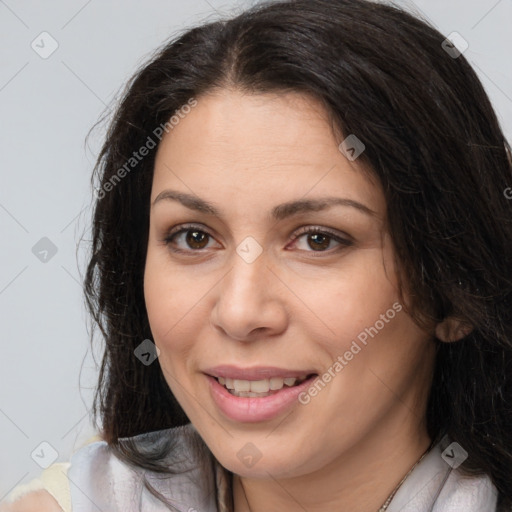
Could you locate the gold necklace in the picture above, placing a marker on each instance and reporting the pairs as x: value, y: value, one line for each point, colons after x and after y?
x: 386, y: 504
x: 384, y: 507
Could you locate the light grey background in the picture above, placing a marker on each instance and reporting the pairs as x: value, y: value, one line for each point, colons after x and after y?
x: 47, y: 107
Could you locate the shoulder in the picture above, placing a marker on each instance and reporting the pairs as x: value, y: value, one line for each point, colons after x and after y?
x: 437, y: 484
x: 34, y: 501
x: 50, y: 489
x: 100, y: 474
x: 179, y: 469
x: 465, y: 492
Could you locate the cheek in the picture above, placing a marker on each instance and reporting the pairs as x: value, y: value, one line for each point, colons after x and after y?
x: 166, y: 305
x: 351, y: 298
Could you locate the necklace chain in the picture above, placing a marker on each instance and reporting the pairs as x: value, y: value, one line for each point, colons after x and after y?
x: 386, y: 504
x: 392, y: 495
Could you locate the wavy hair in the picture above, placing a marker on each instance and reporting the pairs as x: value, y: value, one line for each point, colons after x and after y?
x: 433, y: 142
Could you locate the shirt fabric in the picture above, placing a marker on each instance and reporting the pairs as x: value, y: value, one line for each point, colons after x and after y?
x: 97, y: 479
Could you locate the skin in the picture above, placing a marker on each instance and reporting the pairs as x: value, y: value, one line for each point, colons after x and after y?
x: 33, y: 502
x: 295, y: 306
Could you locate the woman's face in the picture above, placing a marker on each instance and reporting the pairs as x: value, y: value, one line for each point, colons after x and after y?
x: 239, y: 285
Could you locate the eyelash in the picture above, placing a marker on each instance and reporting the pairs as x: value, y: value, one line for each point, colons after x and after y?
x: 168, y: 240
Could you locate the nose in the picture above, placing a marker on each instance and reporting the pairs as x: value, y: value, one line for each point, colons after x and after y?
x: 250, y: 301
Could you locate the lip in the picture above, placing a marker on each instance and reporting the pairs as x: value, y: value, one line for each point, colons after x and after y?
x: 253, y: 409
x: 255, y: 372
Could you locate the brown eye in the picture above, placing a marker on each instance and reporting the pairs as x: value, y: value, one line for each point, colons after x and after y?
x: 319, y: 241
x: 188, y: 239
x: 196, y: 239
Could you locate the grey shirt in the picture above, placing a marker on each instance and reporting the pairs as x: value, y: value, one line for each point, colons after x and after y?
x: 99, y: 480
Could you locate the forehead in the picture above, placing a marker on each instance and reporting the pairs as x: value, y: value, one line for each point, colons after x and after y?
x: 260, y: 146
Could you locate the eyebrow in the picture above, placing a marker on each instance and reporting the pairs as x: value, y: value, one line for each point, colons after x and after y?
x: 279, y: 212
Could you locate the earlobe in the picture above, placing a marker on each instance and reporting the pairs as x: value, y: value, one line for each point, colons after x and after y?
x: 452, y: 329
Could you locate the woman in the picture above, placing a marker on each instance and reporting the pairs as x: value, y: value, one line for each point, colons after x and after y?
x: 301, y: 266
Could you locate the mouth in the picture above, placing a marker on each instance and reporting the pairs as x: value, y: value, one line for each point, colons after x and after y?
x: 257, y: 394
x: 260, y: 388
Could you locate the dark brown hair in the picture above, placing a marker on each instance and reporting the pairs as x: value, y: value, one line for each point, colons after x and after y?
x: 434, y: 143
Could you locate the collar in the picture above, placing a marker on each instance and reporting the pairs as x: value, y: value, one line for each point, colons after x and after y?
x: 198, y: 483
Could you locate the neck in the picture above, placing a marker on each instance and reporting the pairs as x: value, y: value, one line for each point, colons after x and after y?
x: 361, y: 479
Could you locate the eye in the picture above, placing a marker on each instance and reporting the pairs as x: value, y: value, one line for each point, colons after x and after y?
x: 194, y: 237
x: 320, y: 240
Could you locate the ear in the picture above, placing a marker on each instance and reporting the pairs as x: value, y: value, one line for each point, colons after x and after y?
x: 452, y: 329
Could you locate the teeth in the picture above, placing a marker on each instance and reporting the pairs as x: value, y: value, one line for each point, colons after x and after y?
x: 248, y: 387
x: 258, y: 386
x: 248, y: 394
x: 276, y: 383
x: 241, y: 385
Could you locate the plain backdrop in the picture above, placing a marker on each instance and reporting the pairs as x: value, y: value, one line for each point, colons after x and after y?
x: 48, y: 103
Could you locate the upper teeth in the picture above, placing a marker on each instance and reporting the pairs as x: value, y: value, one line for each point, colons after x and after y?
x: 259, y: 386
